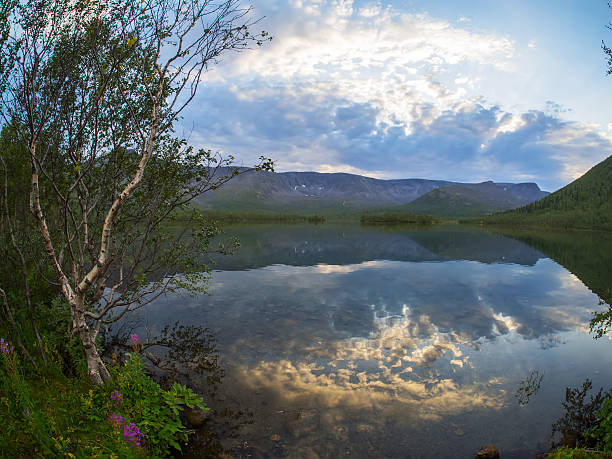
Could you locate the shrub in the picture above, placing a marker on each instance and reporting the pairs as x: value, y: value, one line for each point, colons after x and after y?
x: 580, y: 415
x: 576, y: 453
x: 150, y: 415
x: 602, y: 433
x: 55, y: 415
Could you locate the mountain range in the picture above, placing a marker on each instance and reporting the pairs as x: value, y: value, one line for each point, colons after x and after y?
x: 340, y: 193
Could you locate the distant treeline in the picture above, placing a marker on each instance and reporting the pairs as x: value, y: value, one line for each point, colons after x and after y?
x: 398, y: 219
x: 570, y: 219
x: 238, y: 217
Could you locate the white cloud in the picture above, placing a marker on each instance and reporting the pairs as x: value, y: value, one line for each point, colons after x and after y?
x: 370, y: 11
x: 375, y: 91
x: 348, y: 169
x: 374, y: 54
x: 580, y: 147
x: 323, y: 268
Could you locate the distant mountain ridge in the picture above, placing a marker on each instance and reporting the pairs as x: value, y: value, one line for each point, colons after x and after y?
x: 465, y: 200
x: 340, y: 193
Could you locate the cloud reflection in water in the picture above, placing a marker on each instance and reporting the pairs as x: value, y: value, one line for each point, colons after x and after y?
x: 395, y: 352
x: 393, y: 365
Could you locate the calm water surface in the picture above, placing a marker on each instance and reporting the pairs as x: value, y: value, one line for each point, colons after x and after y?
x: 370, y: 342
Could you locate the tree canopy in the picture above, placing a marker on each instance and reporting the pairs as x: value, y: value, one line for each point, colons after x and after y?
x: 90, y: 94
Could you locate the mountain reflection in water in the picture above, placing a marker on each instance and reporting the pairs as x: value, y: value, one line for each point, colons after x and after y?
x: 369, y: 342
x: 309, y: 245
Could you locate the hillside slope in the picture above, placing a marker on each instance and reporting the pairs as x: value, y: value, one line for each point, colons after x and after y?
x: 470, y: 200
x: 585, y: 203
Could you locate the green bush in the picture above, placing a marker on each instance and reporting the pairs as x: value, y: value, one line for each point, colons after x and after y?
x: 145, y: 404
x: 26, y: 421
x: 577, y: 453
x: 602, y: 433
x: 54, y: 415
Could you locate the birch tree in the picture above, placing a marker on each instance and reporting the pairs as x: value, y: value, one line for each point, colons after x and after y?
x: 92, y: 92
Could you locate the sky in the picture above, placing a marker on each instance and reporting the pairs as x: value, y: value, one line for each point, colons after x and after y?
x: 469, y: 91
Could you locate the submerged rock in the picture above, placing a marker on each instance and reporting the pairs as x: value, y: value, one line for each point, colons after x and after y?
x: 251, y: 451
x: 305, y: 453
x: 195, y: 416
x: 487, y: 452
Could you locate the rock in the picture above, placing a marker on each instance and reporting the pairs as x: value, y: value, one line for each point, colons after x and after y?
x: 251, y: 451
x: 195, y: 416
x: 487, y: 452
x: 569, y: 439
x: 304, y: 453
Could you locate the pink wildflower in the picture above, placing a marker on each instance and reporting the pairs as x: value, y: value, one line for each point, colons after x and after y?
x: 117, y: 397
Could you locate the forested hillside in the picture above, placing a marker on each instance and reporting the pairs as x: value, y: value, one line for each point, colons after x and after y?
x: 585, y: 203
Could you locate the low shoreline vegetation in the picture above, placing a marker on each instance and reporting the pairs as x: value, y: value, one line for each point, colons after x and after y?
x: 237, y: 217
x: 586, y: 427
x: 545, y: 219
x: 387, y: 219
x: 58, y: 412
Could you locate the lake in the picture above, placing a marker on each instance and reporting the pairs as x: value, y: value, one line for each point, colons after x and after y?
x: 341, y: 340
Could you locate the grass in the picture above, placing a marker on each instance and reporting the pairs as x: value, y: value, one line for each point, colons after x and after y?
x: 55, y: 411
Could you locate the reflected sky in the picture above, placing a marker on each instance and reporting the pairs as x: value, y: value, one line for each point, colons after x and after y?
x: 332, y: 302
x: 384, y: 356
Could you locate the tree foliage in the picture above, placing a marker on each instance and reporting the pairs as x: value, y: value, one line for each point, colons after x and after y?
x: 580, y: 415
x: 607, y: 50
x: 91, y: 91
